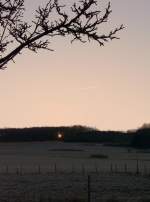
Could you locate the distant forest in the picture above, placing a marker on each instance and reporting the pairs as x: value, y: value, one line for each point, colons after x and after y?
x: 139, y: 138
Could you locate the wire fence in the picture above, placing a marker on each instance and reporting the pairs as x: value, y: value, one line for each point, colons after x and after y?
x: 136, y: 168
x: 76, y: 183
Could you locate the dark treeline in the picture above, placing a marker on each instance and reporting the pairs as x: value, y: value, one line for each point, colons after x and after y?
x: 39, y: 133
x: 107, y: 137
x: 139, y: 138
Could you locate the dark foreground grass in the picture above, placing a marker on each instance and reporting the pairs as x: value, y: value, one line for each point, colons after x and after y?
x: 42, y: 199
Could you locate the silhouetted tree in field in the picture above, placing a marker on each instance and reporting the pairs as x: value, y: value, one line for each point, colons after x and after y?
x: 141, y: 138
x: 82, y: 23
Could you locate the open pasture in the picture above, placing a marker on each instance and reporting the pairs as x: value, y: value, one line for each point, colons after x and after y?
x: 47, y: 157
x: 58, y: 171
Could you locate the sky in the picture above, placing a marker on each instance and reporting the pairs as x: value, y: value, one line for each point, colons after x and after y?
x: 103, y: 87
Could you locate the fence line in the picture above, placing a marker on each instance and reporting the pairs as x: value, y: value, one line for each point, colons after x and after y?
x: 55, y: 168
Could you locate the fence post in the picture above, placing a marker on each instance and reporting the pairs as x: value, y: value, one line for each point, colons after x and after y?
x: 39, y: 170
x: 55, y: 168
x: 111, y: 168
x: 21, y: 170
x: 125, y: 168
x: 89, y: 188
x: 145, y: 169
x: 17, y: 171
x: 137, y: 167
x: 73, y: 168
x: 96, y: 169
x: 6, y: 169
x: 50, y: 169
x: 83, y: 169
x: 116, y: 168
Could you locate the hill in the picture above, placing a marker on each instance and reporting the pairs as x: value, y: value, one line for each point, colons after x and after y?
x: 139, y: 138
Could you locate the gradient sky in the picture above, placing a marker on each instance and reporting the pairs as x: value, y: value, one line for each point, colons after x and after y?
x: 107, y: 88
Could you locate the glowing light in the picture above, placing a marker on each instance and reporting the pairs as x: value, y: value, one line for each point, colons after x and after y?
x: 60, y: 136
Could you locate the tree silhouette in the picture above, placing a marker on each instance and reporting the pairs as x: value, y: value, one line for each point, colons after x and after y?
x: 82, y: 23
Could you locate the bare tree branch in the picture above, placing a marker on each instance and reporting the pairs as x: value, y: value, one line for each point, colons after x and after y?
x: 83, y: 25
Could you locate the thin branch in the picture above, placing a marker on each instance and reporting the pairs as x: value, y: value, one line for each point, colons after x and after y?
x: 83, y: 26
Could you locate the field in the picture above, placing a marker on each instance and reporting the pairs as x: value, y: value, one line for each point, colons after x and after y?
x: 58, y: 171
